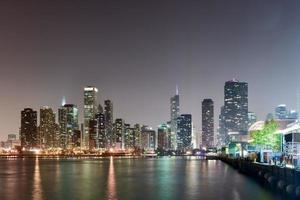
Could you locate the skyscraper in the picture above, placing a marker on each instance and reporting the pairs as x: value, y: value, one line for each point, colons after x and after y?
x: 108, y: 115
x: 148, y: 138
x: 207, y: 123
x: 222, y: 137
x: 28, y: 132
x: 89, y: 111
x: 119, y: 133
x: 101, y: 128
x: 236, y: 107
x: 129, y: 137
x: 137, y: 135
x: 68, y: 125
x: 174, y: 115
x: 163, y: 137
x: 47, y: 128
x: 184, y: 132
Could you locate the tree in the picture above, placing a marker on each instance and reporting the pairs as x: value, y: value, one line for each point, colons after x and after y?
x: 267, y: 137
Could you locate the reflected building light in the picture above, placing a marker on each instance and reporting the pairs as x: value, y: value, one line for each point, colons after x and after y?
x: 37, y: 186
x: 111, y: 190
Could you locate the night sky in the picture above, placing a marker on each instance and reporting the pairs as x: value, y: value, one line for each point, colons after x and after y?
x: 136, y: 52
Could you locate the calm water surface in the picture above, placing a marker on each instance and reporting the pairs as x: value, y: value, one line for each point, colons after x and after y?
x: 124, y: 178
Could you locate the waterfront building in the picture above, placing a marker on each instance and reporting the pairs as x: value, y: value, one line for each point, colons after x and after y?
x: 89, y: 111
x: 137, y: 135
x: 129, y: 137
x: 12, y: 142
x: 207, y: 123
x: 28, y: 131
x: 68, y: 124
x: 148, y: 138
x: 47, y: 128
x: 76, y: 139
x: 174, y: 101
x: 109, y: 133
x: 119, y: 133
x: 236, y: 107
x: 163, y: 137
x: 184, y: 132
x: 102, y: 130
x: 93, y: 134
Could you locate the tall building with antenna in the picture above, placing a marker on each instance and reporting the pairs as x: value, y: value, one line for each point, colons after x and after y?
x: 174, y: 101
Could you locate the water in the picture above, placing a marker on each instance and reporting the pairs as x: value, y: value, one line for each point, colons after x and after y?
x: 124, y: 178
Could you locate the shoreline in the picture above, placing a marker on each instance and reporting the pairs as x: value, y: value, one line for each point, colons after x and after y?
x: 283, y: 181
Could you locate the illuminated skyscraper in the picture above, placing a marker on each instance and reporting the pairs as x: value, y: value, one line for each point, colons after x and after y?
x: 89, y: 111
x: 163, y: 137
x: 129, y: 138
x: 108, y: 114
x: 184, y: 132
x: 222, y: 137
x: 236, y: 107
x: 148, y: 138
x: 137, y: 135
x: 174, y: 115
x: 47, y: 128
x: 68, y: 125
x: 207, y: 123
x: 119, y: 133
x: 28, y: 131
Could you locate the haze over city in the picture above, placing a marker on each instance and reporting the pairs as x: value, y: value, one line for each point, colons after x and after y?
x: 135, y: 52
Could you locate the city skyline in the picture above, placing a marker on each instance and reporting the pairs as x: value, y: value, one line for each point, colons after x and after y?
x: 137, y: 67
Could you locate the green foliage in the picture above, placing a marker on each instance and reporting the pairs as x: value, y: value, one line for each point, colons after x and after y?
x: 267, y: 137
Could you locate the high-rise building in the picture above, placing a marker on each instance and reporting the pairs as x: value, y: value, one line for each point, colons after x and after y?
x: 184, y: 132
x: 89, y: 111
x: 163, y: 137
x: 148, y: 138
x: 119, y: 133
x: 93, y: 134
x: 222, y: 137
x: 137, y: 135
x: 68, y: 125
x: 129, y: 137
x: 102, y: 130
x: 207, y: 123
x: 62, y: 122
x: 47, y: 128
x: 236, y: 107
x: 108, y: 113
x: 28, y: 131
x: 174, y: 115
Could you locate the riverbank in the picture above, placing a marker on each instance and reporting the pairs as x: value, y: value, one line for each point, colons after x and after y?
x: 284, y: 181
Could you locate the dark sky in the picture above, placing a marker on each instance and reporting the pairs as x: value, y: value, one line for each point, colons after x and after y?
x: 135, y: 52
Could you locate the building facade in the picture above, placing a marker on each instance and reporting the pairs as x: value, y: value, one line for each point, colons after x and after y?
x: 207, y: 123
x: 174, y: 101
x: 89, y: 111
x: 184, y: 132
x: 236, y: 107
x: 28, y: 131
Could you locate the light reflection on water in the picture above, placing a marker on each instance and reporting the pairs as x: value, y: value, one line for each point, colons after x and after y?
x: 111, y: 181
x: 119, y: 178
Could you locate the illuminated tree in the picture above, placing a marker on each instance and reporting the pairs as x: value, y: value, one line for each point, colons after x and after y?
x: 267, y: 137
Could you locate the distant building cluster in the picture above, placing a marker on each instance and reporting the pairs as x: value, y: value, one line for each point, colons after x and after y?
x: 99, y: 129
